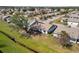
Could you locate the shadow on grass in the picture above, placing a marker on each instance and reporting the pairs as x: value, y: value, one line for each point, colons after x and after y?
x: 1, y: 51
x: 2, y: 45
x: 13, y: 39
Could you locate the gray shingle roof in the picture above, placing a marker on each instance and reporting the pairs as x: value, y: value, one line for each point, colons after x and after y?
x: 73, y: 32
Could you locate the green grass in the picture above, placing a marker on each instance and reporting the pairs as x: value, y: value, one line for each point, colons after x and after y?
x: 44, y: 43
x: 7, y: 45
x: 35, y: 45
x: 58, y: 21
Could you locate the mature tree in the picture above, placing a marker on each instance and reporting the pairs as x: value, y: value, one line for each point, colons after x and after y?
x: 20, y: 21
x: 65, y: 22
x: 64, y: 39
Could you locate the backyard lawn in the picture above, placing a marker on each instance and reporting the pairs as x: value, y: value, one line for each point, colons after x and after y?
x: 7, y: 45
x: 43, y: 43
x: 33, y: 44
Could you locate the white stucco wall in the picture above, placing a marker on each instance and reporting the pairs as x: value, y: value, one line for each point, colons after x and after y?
x: 72, y: 24
x: 44, y: 32
x: 72, y: 41
x: 61, y: 20
x: 55, y: 35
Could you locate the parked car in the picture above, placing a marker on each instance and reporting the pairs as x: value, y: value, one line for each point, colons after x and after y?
x: 52, y: 29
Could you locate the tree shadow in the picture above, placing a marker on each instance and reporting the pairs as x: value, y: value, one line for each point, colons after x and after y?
x: 1, y: 51
x: 2, y: 45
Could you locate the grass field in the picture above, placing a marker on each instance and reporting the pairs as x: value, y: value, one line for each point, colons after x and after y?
x: 7, y: 45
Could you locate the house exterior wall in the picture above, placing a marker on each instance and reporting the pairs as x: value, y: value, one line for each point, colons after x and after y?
x: 72, y: 24
x: 44, y: 32
x: 73, y: 41
x: 77, y: 42
x: 55, y: 35
x: 61, y: 20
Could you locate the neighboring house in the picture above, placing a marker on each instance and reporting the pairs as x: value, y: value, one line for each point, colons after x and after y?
x: 72, y: 32
x: 6, y: 18
x: 43, y: 26
x: 72, y: 19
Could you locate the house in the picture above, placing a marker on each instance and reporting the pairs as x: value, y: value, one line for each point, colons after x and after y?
x: 72, y: 19
x: 72, y: 32
x: 6, y: 18
x: 43, y: 26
